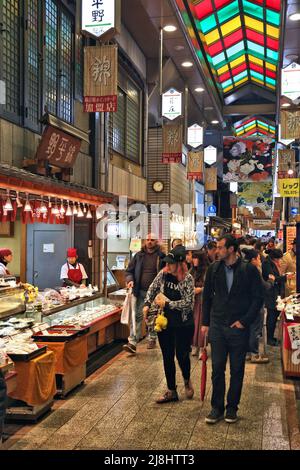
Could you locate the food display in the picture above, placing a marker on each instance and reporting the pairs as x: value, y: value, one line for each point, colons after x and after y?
x: 82, y: 318
x: 290, y: 306
x: 20, y: 347
x: 13, y: 326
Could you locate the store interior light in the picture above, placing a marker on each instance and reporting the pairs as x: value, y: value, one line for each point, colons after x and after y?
x: 169, y: 28
x: 19, y: 203
x: 8, y: 205
x: 187, y: 64
x: 294, y: 17
x: 27, y: 207
x: 89, y: 214
x: 80, y: 213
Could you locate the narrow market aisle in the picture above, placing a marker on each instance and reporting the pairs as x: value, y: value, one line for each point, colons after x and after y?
x: 116, y: 409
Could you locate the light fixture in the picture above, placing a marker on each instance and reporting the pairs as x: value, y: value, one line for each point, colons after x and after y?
x: 8, y: 205
x: 84, y: 209
x: 169, y: 28
x: 19, y: 203
x: 187, y: 64
x: 290, y: 171
x: 208, y: 108
x: 199, y: 89
x: 62, y: 210
x: 27, y: 207
x: 215, y: 122
x: 69, y: 212
x: 179, y: 48
x: 89, y: 214
x: 75, y: 211
x: 80, y: 213
x: 294, y: 17
x: 43, y: 208
x: 55, y: 210
x: 50, y: 203
x: 286, y: 105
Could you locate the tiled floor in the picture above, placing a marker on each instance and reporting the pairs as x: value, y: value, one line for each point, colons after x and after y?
x: 116, y: 409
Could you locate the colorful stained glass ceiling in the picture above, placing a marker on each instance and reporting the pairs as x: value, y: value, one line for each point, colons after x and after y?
x: 241, y: 39
x: 254, y: 126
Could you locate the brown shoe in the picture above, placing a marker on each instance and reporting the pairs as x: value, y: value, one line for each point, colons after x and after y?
x: 170, y: 395
x: 257, y: 359
x: 151, y: 344
x: 189, y: 391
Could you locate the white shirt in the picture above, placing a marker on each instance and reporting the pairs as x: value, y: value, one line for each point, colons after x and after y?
x: 3, y: 270
x: 65, y: 268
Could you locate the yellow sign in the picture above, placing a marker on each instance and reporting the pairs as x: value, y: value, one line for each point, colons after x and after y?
x: 289, y: 187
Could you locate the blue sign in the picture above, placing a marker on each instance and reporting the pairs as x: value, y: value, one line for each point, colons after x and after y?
x: 294, y: 211
x: 211, y: 211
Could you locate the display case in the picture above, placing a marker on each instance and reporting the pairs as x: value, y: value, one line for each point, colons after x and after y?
x: 11, y: 302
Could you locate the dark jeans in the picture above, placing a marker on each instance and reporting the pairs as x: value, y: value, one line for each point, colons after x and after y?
x: 271, y: 322
x: 233, y: 342
x: 256, y: 332
x: 176, y: 340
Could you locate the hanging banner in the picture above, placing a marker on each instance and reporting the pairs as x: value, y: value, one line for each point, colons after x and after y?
x: 290, y: 81
x: 58, y: 147
x: 286, y: 160
x: 291, y: 234
x: 172, y: 104
x: 195, y: 135
x: 195, y: 166
x: 259, y: 196
x: 100, y: 79
x: 246, y: 160
x: 289, y: 187
x: 100, y: 17
x: 210, y: 155
x: 290, y: 124
x: 172, y: 144
x: 210, y: 179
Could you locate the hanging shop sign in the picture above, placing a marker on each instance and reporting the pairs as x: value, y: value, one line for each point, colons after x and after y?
x: 101, y: 79
x: 290, y: 124
x: 100, y: 18
x: 210, y: 179
x: 195, y: 166
x: 263, y: 224
x: 290, y: 81
x: 286, y: 160
x: 259, y: 196
x: 211, y: 211
x: 58, y: 148
x: 195, y: 135
x: 246, y: 160
x: 294, y: 211
x: 289, y: 187
x: 210, y: 155
x: 291, y: 234
x: 172, y: 104
x: 172, y: 144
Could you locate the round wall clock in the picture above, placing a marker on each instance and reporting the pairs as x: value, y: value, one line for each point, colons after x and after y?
x: 158, y: 186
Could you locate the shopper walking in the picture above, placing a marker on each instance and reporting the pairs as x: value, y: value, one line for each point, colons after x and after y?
x: 140, y: 273
x: 271, y: 267
x: 198, y: 271
x: 173, y: 291
x: 211, y: 250
x: 232, y: 298
x: 288, y: 266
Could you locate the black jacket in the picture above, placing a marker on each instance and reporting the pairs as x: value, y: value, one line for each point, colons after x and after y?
x: 278, y: 288
x: 244, y: 301
x: 3, y: 398
x: 135, y: 268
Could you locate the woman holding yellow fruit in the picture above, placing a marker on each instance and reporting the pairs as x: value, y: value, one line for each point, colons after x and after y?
x: 172, y: 291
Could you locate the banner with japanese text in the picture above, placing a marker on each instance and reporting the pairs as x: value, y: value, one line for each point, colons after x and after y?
x: 172, y: 143
x: 286, y: 160
x: 247, y: 160
x: 101, y: 79
x: 58, y: 147
x: 291, y: 234
x: 290, y: 124
x: 195, y: 165
x: 257, y: 195
x: 289, y: 187
x: 210, y: 179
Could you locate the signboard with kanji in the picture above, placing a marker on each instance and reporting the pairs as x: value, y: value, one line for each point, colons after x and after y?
x: 172, y: 104
x: 210, y: 179
x: 195, y: 166
x: 101, y: 79
x: 210, y: 155
x: 286, y: 160
x: 195, y: 135
x: 290, y: 81
x: 291, y: 234
x: 290, y: 124
x: 98, y: 16
x: 172, y: 144
x: 58, y: 147
x: 289, y: 187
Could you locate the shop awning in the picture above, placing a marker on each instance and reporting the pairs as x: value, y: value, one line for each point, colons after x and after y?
x: 16, y: 179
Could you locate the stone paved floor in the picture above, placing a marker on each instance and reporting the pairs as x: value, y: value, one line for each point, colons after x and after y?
x: 116, y: 409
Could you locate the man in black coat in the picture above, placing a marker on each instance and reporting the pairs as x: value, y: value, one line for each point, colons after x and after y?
x: 3, y: 398
x: 232, y: 298
x: 140, y: 274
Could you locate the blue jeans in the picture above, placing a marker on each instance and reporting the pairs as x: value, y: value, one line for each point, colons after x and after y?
x: 256, y: 332
x: 135, y: 338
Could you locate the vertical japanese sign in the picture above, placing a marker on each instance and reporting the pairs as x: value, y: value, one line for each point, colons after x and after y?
x: 195, y: 166
x: 172, y: 144
x: 172, y: 104
x: 195, y: 135
x: 290, y: 124
x: 286, y: 160
x: 291, y: 234
x: 98, y: 16
x: 59, y: 148
x: 210, y: 179
x: 290, y: 81
x: 101, y: 79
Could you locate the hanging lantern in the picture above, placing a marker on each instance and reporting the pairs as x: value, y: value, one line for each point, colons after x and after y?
x: 19, y: 203
x: 8, y: 205
x: 69, y: 212
x: 89, y: 214
x: 43, y: 208
x: 75, y: 210
x: 80, y: 213
x: 27, y: 207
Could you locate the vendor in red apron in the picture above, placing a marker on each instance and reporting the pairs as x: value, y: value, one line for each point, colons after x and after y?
x: 72, y: 272
x: 5, y: 258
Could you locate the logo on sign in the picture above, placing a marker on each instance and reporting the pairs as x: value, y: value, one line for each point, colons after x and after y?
x: 212, y: 210
x: 294, y: 211
x: 172, y: 104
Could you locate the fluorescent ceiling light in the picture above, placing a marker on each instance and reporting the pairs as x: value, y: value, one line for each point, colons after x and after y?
x: 199, y: 90
x: 169, y: 28
x: 187, y: 64
x: 215, y: 122
x: 286, y: 105
x: 294, y: 17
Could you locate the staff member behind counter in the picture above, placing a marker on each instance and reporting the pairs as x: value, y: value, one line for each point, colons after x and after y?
x: 5, y: 258
x: 72, y: 272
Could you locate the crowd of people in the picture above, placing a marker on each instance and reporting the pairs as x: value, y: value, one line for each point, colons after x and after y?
x: 221, y: 293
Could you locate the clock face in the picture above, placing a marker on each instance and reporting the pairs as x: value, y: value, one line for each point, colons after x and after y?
x: 158, y: 186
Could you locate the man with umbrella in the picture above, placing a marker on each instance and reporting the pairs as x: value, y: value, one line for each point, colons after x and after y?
x: 232, y: 298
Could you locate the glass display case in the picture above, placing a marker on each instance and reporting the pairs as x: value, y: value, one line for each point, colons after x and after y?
x: 11, y: 302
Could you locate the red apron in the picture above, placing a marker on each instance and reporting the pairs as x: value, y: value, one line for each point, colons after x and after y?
x: 75, y: 275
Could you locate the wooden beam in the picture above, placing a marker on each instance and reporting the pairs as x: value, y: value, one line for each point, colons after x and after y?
x: 249, y: 109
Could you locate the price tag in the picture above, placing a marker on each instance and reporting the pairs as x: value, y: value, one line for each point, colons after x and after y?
x: 289, y: 316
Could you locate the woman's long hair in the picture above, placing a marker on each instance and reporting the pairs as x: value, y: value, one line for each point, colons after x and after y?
x: 198, y: 272
x: 182, y: 271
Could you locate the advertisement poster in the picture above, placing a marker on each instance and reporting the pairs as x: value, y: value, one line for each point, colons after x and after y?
x: 257, y: 195
x: 246, y: 160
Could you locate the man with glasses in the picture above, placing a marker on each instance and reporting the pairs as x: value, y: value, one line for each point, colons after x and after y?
x: 140, y: 274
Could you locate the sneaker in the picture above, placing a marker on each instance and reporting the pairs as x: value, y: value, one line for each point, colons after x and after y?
x: 257, y: 359
x: 170, y: 395
x: 151, y: 344
x: 195, y: 351
x: 189, y: 391
x: 131, y: 348
x: 214, y: 416
x: 231, y: 416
